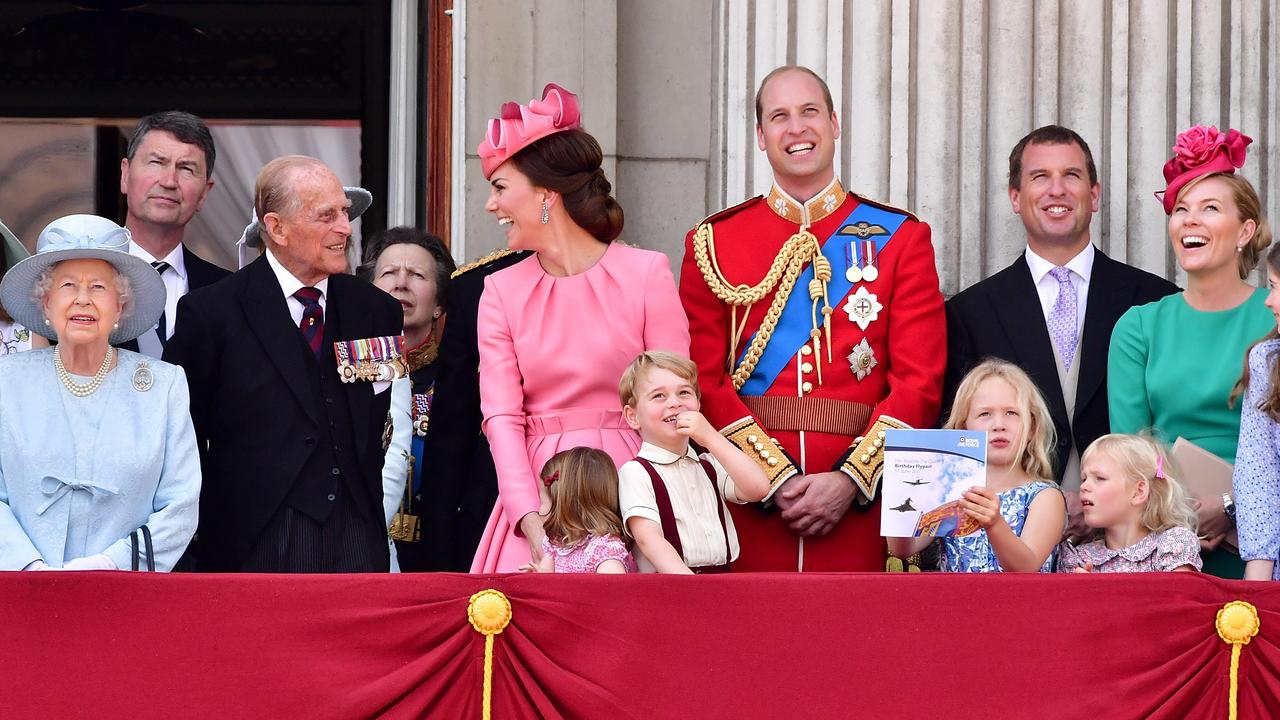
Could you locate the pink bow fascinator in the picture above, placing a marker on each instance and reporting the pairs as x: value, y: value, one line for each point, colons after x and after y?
x: 1199, y: 151
x: 520, y: 125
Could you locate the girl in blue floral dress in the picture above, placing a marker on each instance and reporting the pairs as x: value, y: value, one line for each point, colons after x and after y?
x: 1021, y: 512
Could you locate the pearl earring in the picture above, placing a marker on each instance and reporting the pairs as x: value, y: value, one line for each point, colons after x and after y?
x: 115, y: 326
x: 46, y: 322
x: 546, y: 217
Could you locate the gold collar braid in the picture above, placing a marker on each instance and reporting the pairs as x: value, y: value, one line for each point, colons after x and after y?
x: 423, y: 355
x: 799, y: 250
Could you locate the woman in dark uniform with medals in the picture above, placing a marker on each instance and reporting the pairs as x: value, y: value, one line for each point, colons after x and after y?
x: 413, y: 267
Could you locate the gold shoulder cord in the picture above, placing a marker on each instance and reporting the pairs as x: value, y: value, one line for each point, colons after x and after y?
x: 800, y: 248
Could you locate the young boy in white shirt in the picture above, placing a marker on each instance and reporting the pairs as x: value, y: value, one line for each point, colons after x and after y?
x: 671, y: 497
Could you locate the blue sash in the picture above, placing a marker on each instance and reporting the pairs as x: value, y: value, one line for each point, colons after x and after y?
x: 796, y: 320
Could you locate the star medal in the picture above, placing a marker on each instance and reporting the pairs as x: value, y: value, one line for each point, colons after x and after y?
x: 862, y: 359
x: 143, y: 379
x: 863, y: 308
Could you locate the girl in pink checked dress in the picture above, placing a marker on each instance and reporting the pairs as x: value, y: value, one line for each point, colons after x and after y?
x: 1142, y: 517
x: 584, y: 532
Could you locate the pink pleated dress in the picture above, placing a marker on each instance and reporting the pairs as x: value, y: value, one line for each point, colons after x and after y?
x: 552, y: 350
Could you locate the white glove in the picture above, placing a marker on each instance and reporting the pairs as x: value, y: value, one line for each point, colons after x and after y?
x: 93, y: 562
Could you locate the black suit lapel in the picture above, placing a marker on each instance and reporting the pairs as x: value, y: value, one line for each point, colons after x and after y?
x: 267, y: 314
x: 200, y: 272
x: 349, y: 327
x: 1106, y: 293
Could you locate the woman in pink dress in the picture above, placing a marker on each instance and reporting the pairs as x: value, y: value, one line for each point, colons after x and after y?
x: 557, y: 329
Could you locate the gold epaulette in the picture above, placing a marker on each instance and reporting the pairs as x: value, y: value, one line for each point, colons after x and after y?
x: 864, y: 462
x: 722, y: 214
x: 885, y: 206
x: 747, y: 435
x: 481, y: 262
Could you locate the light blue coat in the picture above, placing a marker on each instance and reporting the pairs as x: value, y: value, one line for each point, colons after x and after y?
x: 78, y: 475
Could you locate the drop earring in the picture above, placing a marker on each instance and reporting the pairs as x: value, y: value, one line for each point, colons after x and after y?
x: 546, y: 217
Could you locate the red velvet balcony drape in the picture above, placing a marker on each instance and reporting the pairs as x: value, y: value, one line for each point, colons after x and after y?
x: 123, y: 645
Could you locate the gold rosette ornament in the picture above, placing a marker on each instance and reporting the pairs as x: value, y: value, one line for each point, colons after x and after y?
x: 489, y: 612
x: 1237, y: 624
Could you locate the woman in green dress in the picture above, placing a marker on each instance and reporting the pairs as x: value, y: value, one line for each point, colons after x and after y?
x: 1173, y: 362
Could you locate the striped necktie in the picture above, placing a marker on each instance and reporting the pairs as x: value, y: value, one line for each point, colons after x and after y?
x: 162, y: 327
x: 312, y: 325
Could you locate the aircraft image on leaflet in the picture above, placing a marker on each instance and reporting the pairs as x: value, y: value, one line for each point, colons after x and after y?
x: 915, y: 482
x: 905, y: 507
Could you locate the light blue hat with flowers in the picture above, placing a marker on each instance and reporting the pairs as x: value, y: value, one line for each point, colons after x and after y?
x: 76, y: 237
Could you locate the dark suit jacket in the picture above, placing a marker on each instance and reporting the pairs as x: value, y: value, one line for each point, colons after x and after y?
x: 460, y: 485
x: 1002, y: 317
x: 200, y: 273
x: 253, y: 403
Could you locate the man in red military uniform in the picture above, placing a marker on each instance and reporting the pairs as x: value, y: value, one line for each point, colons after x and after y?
x: 816, y: 323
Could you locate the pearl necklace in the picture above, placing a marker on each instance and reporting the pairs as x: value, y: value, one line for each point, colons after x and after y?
x: 92, y: 386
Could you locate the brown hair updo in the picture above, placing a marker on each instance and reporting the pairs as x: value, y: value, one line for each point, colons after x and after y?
x: 569, y: 163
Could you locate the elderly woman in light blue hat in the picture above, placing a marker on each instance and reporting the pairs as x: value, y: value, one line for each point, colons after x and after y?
x: 13, y: 336
x: 103, y: 444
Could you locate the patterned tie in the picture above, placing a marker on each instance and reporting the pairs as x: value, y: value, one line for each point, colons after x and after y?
x: 162, y: 327
x: 1063, y: 326
x: 312, y: 325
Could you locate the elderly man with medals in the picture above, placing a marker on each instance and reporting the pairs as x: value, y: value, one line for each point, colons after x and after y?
x: 289, y: 361
x: 816, y: 324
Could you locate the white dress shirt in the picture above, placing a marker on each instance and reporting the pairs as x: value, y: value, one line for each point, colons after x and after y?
x: 290, y: 285
x: 175, y: 286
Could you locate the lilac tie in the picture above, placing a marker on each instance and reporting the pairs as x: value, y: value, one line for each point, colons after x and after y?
x: 1063, y: 327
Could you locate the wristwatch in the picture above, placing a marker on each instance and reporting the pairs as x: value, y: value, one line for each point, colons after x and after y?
x: 1228, y: 506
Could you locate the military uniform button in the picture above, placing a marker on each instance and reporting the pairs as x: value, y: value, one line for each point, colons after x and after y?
x: 807, y: 387
x: 806, y: 367
x: 806, y: 350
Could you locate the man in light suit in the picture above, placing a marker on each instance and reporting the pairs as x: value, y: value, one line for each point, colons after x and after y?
x: 165, y: 176
x: 1051, y: 312
x: 291, y: 455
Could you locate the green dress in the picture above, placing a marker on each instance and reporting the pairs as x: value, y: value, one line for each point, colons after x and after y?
x: 1171, y: 369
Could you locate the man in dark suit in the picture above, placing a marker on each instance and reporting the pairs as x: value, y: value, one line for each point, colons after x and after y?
x: 165, y: 176
x: 462, y: 487
x: 1051, y: 312
x: 291, y: 455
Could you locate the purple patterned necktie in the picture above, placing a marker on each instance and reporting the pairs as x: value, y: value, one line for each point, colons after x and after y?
x: 1063, y: 325
x: 312, y: 325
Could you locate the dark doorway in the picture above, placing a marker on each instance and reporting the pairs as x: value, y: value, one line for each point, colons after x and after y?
x: 290, y: 61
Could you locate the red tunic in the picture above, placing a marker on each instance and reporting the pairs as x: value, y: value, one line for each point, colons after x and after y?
x: 908, y: 340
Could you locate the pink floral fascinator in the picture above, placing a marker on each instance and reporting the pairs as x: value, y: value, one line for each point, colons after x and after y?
x: 520, y: 125
x: 1201, y: 150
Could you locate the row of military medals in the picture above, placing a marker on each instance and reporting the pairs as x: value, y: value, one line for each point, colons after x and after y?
x: 862, y: 306
x: 405, y: 526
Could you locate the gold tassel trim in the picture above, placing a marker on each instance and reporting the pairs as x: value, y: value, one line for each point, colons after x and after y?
x: 1237, y: 623
x: 489, y: 612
